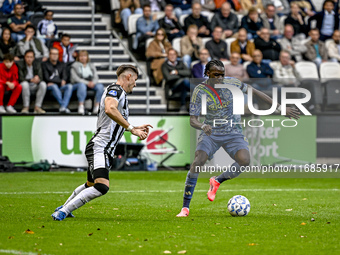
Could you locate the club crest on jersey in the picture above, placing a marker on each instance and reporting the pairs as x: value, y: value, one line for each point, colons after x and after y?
x: 113, y: 93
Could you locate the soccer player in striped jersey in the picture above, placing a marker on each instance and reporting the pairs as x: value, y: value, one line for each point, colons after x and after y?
x: 212, y: 137
x: 111, y: 124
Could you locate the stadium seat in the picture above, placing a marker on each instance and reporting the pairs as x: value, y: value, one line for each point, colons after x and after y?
x: 36, y: 18
x: 194, y: 63
x: 209, y: 15
x: 245, y: 64
x: 329, y: 70
x: 229, y: 41
x: 132, y: 27
x: 307, y: 70
x: 148, y: 41
x: 332, y: 92
x: 282, y: 20
x: 115, y: 5
x: 327, y: 43
x: 176, y: 44
x: 205, y: 40
x: 182, y: 18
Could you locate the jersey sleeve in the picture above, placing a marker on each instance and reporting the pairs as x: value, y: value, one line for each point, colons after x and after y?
x: 114, y: 91
x: 242, y: 86
x: 195, y: 101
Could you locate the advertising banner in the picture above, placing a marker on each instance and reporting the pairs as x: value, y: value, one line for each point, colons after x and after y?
x: 63, y: 138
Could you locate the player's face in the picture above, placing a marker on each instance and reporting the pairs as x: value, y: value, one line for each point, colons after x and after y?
x: 216, y: 74
x: 131, y: 83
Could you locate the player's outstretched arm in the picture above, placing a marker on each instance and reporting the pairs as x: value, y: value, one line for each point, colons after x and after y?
x: 111, y: 110
x: 291, y: 112
x: 195, y: 123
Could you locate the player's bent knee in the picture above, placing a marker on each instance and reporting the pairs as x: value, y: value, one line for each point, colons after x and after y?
x: 89, y: 184
x: 244, y: 161
x: 102, y: 188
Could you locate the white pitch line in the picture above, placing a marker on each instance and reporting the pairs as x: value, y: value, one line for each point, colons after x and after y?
x: 19, y: 252
x: 170, y: 191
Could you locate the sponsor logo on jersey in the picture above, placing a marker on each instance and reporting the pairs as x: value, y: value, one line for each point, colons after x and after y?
x: 113, y: 93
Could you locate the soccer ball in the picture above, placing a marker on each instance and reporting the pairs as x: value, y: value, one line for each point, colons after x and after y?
x: 238, y: 206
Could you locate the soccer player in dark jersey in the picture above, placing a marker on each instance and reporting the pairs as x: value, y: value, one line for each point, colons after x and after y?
x: 212, y: 137
x: 111, y: 124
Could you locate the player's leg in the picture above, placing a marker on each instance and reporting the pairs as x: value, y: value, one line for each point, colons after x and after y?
x: 237, y: 147
x: 205, y: 150
x: 242, y: 159
x: 190, y: 183
x: 99, y: 175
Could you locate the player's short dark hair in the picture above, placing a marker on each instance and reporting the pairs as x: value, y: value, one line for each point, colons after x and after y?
x: 29, y: 51
x: 65, y: 35
x: 314, y: 29
x: 268, y: 5
x: 212, y: 63
x: 146, y: 5
x: 30, y: 26
x: 327, y: 1
x: 9, y: 57
x: 47, y: 11
x: 124, y: 68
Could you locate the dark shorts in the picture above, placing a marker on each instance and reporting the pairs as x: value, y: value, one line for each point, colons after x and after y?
x: 231, y: 143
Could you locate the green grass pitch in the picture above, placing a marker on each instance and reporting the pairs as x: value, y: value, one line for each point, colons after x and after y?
x: 137, y: 216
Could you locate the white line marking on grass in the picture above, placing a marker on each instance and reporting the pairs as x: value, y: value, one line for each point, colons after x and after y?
x: 19, y: 252
x: 169, y: 191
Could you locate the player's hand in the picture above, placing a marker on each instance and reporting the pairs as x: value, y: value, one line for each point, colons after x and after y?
x: 207, y: 129
x: 292, y: 113
x: 144, y: 128
x: 140, y: 133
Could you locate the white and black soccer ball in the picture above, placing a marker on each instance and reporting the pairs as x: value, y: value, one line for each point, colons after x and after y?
x: 238, y: 206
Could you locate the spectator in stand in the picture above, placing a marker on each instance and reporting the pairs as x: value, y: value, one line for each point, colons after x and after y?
x: 9, y: 81
x: 207, y: 5
x: 146, y: 28
x: 170, y: 24
x: 268, y: 46
x: 284, y: 70
x: 282, y: 6
x: 181, y: 7
x: 225, y: 19
x: 235, y: 69
x: 31, y: 80
x: 252, y: 23
x: 156, y: 5
x: 247, y: 4
x: 296, y: 20
x: 157, y: 50
x: 260, y: 72
x: 235, y: 5
x: 334, y: 47
x: 127, y: 7
x: 67, y: 50
x: 18, y: 23
x: 293, y: 44
x: 306, y: 7
x: 217, y: 47
x: 191, y: 44
x: 55, y: 76
x: 271, y: 21
x: 7, y: 45
x: 197, y: 70
x: 31, y: 42
x: 32, y: 7
x: 176, y: 75
x: 84, y: 77
x: 327, y: 21
x: 243, y: 46
x: 199, y: 20
x: 47, y: 30
x: 8, y: 6
x: 316, y: 49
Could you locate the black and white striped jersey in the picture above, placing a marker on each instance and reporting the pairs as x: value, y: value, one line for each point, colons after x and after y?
x: 108, y: 131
